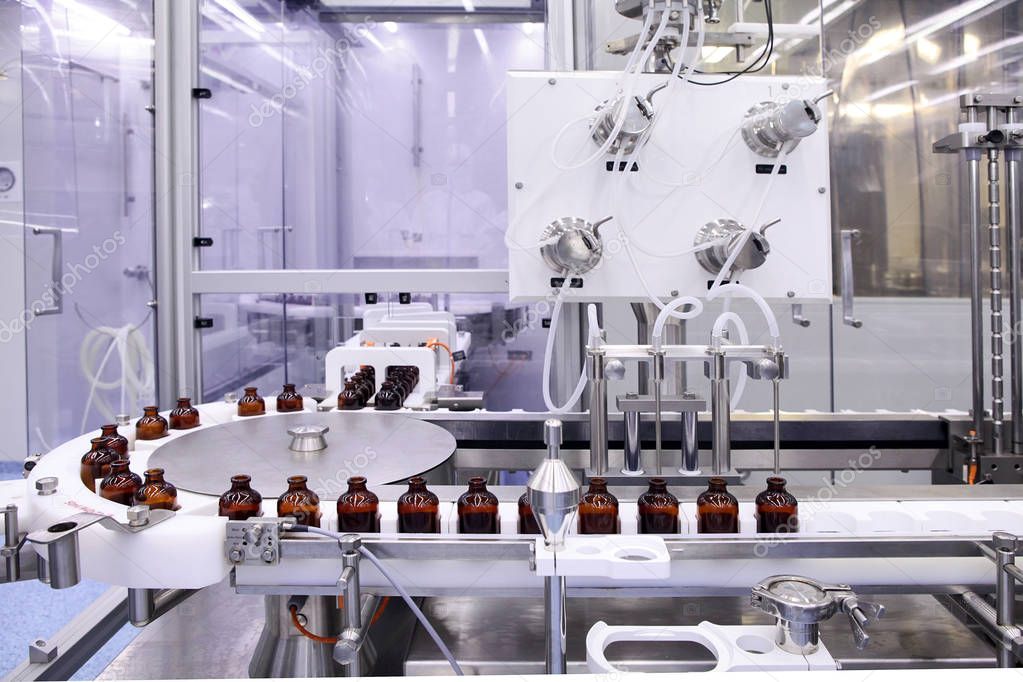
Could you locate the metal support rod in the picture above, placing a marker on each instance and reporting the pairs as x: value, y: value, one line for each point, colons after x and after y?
x: 12, y: 538
x: 658, y: 388
x: 1015, y: 271
x: 976, y: 293
x: 556, y: 625
x: 642, y: 336
x: 598, y: 413
x: 995, y: 257
x: 633, y: 453
x: 720, y: 403
x: 776, y: 386
x: 1005, y: 592
x: 349, y: 645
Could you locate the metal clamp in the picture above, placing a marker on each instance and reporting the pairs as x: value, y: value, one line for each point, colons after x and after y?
x: 254, y: 541
x: 800, y: 604
x: 57, y: 307
x: 63, y: 560
x: 848, y: 284
x: 798, y: 317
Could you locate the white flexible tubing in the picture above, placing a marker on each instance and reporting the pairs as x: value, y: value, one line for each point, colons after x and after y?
x: 753, y: 224
x: 137, y: 370
x: 733, y: 288
x: 719, y: 327
x: 630, y: 87
x: 594, y: 333
x: 696, y: 307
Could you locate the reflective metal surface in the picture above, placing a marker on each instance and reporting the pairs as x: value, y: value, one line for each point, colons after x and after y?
x: 385, y: 447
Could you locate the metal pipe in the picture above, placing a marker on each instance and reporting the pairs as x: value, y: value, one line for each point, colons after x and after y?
x: 598, y: 413
x: 720, y: 412
x: 995, y: 257
x: 776, y: 395
x: 12, y: 538
x: 976, y: 293
x: 642, y: 336
x: 141, y: 606
x: 348, y: 649
x: 658, y: 388
x: 556, y: 625
x: 633, y: 458
x: 690, y: 445
x: 1015, y: 271
x: 1005, y: 592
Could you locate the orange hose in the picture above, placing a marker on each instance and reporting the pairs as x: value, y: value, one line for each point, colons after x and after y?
x: 971, y: 476
x: 310, y: 635
x: 434, y: 343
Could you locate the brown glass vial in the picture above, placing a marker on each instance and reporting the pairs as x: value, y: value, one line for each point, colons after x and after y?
x: 250, y: 404
x: 184, y: 416
x: 96, y: 462
x: 120, y: 485
x: 598, y: 510
x: 527, y: 522
x: 658, y: 510
x: 151, y: 425
x: 241, y: 501
x: 299, y: 502
x: 352, y: 398
x: 156, y: 493
x: 388, y: 397
x: 777, y: 508
x: 370, y: 373
x: 418, y: 509
x: 717, y: 510
x: 289, y: 400
x: 358, y: 510
x: 115, y: 441
x: 477, y: 509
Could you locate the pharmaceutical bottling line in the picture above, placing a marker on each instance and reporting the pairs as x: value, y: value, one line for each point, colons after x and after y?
x: 387, y: 522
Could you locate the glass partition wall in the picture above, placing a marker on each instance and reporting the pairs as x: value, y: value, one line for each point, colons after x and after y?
x: 335, y: 140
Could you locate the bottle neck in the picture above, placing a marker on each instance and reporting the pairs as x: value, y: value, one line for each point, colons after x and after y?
x: 598, y: 485
x: 109, y: 430
x: 154, y: 476
x: 250, y: 391
x: 477, y: 485
x: 297, y: 483
x: 289, y: 388
x: 416, y: 485
x: 658, y: 485
x: 119, y: 466
x: 150, y: 411
x: 184, y: 402
x: 776, y: 484
x: 356, y: 485
x: 240, y: 483
x: 717, y: 485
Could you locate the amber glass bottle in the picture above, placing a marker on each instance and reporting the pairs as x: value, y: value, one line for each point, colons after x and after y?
x: 156, y: 493
x: 477, y: 509
x: 300, y: 502
x: 96, y: 462
x: 184, y: 416
x: 777, y: 508
x: 351, y: 398
x: 250, y: 404
x: 289, y: 400
x: 120, y: 485
x: 363, y: 385
x: 527, y: 522
x: 241, y: 501
x: 717, y: 510
x: 388, y: 397
x: 418, y: 509
x: 151, y: 425
x: 358, y: 510
x: 370, y: 373
x: 115, y: 441
x: 598, y: 510
x: 658, y: 510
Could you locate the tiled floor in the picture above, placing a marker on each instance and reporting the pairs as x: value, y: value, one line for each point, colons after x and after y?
x: 30, y: 610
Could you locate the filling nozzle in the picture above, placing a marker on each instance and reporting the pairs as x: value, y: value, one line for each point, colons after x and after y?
x: 553, y: 490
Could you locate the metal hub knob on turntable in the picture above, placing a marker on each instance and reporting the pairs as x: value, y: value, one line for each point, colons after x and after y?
x: 308, y: 438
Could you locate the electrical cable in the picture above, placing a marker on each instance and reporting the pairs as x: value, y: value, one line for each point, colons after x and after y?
x: 433, y: 344
x: 301, y: 628
x: 386, y: 572
x: 755, y: 66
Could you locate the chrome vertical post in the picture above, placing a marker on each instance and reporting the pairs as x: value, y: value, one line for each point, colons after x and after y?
x: 995, y: 257
x: 12, y: 562
x: 557, y: 625
x: 690, y: 445
x: 976, y: 290
x: 633, y: 451
x: 598, y: 412
x: 720, y: 401
x: 658, y: 357
x: 1005, y: 592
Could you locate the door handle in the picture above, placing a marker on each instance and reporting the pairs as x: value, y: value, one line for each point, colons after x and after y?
x: 55, y: 272
x: 848, y: 284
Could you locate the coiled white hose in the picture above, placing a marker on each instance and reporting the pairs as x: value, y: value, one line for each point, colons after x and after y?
x: 137, y: 376
x: 695, y: 308
x: 594, y: 337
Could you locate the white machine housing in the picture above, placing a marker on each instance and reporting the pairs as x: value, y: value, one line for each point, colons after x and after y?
x: 694, y: 169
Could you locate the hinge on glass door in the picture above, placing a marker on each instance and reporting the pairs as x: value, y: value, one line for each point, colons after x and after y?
x: 202, y: 93
x: 202, y: 241
x: 204, y: 323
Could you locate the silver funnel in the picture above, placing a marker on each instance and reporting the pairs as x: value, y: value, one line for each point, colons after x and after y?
x: 553, y: 490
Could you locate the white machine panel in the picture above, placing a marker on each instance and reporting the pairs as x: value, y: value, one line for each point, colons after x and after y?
x: 695, y: 168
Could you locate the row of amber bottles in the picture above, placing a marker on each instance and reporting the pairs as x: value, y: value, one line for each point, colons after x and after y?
x: 251, y: 404
x: 358, y: 509
x: 358, y: 390
x: 394, y: 390
x: 125, y: 487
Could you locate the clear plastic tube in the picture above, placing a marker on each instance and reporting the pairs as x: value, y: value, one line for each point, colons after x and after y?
x: 733, y: 289
x: 696, y: 307
x: 594, y: 333
x: 719, y: 328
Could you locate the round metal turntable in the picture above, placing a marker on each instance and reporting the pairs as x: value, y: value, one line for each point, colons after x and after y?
x: 385, y: 448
